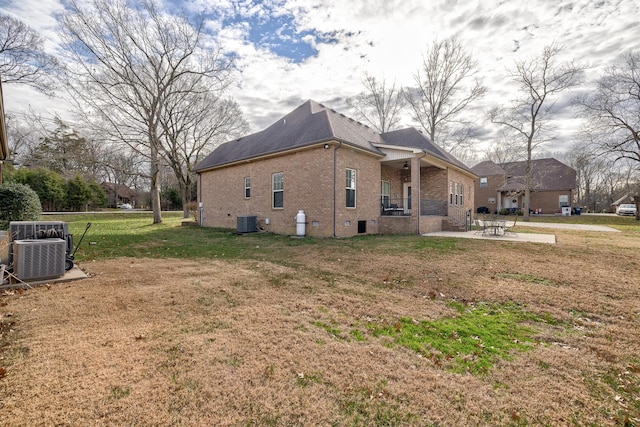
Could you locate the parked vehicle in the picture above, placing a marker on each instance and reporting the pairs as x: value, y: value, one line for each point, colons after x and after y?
x: 626, y: 209
x: 125, y: 206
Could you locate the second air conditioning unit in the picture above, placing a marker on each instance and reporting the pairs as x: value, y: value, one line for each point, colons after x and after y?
x: 39, y: 259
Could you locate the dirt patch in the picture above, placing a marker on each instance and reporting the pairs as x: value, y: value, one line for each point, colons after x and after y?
x: 204, y: 342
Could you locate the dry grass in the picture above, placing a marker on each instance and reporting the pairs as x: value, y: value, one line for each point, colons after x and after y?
x: 242, y: 343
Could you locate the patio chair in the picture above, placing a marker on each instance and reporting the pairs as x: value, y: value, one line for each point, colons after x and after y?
x: 480, y: 226
x: 509, y: 225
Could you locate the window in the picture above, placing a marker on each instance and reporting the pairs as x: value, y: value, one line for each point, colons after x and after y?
x: 461, y: 195
x: 385, y: 188
x: 277, y: 180
x: 483, y: 182
x: 247, y: 187
x: 492, y: 200
x: 455, y: 186
x: 563, y: 200
x: 351, y: 188
x: 451, y: 193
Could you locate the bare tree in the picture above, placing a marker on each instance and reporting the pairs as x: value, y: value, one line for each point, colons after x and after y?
x: 379, y: 105
x: 587, y: 163
x: 445, y: 86
x: 22, y: 56
x: 504, y: 151
x: 23, y: 135
x: 132, y: 65
x: 613, y: 108
x: 195, y: 123
x: 540, y: 82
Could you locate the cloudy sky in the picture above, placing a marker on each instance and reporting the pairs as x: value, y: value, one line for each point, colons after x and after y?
x: 289, y: 51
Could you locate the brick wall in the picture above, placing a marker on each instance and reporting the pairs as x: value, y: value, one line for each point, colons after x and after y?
x: 433, y: 183
x: 308, y: 186
x: 484, y: 194
x: 468, y: 201
x: 548, y: 201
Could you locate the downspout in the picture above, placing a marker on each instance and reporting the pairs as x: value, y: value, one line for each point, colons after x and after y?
x: 424, y: 154
x: 335, y: 193
x: 200, y: 205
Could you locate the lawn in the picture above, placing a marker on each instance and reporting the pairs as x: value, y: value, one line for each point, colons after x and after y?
x: 189, y: 326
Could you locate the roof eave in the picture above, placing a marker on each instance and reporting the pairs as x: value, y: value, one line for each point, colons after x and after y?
x: 290, y: 150
x: 445, y: 163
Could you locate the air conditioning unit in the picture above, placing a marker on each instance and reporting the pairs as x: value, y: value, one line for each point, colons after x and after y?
x: 247, y: 224
x: 26, y: 230
x: 22, y: 230
x: 39, y: 258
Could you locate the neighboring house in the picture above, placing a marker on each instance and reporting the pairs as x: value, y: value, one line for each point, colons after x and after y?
x: 4, y: 145
x: 502, y: 186
x: 118, y: 194
x: 347, y: 178
x: 622, y: 200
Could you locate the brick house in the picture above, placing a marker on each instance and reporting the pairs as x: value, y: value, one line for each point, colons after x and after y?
x: 347, y: 178
x: 502, y: 186
x: 118, y: 194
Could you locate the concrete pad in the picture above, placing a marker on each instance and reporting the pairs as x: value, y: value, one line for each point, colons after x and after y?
x: 509, y: 237
x: 74, y: 274
x: 585, y: 227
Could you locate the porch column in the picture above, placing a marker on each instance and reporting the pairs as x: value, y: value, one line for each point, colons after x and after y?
x: 415, y: 187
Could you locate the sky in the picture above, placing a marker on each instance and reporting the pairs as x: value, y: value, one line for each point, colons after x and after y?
x: 288, y: 51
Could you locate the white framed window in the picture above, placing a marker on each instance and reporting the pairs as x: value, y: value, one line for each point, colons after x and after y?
x: 563, y: 200
x: 277, y: 186
x: 492, y: 200
x: 385, y: 192
x: 455, y: 190
x: 483, y: 182
x: 461, y: 194
x: 351, y: 188
x: 451, y: 192
x: 247, y: 187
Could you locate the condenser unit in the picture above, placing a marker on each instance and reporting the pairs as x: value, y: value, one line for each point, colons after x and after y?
x: 22, y: 230
x: 247, y: 224
x: 35, y: 259
x: 26, y: 230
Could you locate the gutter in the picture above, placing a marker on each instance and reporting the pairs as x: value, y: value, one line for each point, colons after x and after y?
x: 335, y: 194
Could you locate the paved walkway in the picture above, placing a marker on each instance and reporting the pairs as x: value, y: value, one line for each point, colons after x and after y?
x: 525, y: 237
x: 586, y: 227
x: 509, y: 237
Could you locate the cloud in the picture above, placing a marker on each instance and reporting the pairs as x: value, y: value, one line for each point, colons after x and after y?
x: 288, y: 51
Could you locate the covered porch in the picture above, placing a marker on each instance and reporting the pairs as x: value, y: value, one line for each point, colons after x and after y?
x: 418, y: 195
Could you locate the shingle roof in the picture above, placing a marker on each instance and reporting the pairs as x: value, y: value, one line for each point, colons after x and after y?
x: 547, y: 174
x: 411, y: 137
x: 313, y: 123
x: 123, y: 190
x: 487, y: 168
x: 310, y: 123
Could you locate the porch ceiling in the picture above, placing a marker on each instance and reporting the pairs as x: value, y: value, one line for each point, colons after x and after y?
x: 399, y: 162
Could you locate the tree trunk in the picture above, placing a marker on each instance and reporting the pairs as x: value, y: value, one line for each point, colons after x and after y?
x: 527, y: 186
x: 155, y: 192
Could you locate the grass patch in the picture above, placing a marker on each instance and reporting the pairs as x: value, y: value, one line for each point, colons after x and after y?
x: 305, y: 380
x: 373, y: 406
x: 125, y: 234
x: 331, y: 330
x: 527, y: 278
x: 471, y: 342
x: 117, y: 392
x: 623, y: 386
